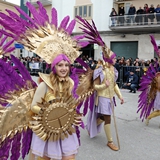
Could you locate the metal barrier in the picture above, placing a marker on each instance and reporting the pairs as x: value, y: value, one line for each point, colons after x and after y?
x: 139, y: 19
x: 124, y: 72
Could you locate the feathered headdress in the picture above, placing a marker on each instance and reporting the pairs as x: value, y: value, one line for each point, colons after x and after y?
x: 41, y: 36
x: 93, y: 35
x: 148, y: 86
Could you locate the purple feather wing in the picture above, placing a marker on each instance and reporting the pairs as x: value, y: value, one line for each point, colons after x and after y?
x: 23, y: 71
x: 146, y: 98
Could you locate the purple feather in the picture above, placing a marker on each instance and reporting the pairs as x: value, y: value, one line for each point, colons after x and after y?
x: 8, y: 44
x: 35, y: 14
x: 78, y: 134
x: 18, y: 19
x: 83, y: 44
x: 3, y: 40
x: 23, y: 71
x: 9, y: 49
x: 43, y: 12
x: 16, y: 146
x: 78, y: 37
x: 64, y: 23
x: 91, y: 101
x: 1, y: 34
x: 79, y: 107
x: 5, y: 149
x: 26, y: 16
x: 25, y: 141
x: 154, y: 44
x: 79, y: 60
x: 6, y: 33
x: 29, y: 139
x: 54, y: 20
x: 71, y: 27
x: 86, y: 104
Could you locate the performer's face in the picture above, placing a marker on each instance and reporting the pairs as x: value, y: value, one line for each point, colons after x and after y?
x: 62, y: 68
x: 114, y: 60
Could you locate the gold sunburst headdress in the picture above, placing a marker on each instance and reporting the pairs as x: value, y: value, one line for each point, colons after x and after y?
x: 41, y: 36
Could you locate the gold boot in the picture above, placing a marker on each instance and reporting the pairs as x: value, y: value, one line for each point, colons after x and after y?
x: 152, y: 115
x: 110, y: 144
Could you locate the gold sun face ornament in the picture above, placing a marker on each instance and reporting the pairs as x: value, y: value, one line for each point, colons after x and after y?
x: 57, y: 120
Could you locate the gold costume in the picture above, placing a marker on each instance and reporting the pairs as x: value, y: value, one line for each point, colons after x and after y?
x: 110, y: 90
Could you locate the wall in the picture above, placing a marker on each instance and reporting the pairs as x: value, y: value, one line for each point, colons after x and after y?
x: 145, y: 48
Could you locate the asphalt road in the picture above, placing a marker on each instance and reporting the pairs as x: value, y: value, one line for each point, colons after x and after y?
x: 137, y: 141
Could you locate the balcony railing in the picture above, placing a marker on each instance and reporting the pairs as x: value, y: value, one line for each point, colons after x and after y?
x: 140, y: 22
x: 34, y: 2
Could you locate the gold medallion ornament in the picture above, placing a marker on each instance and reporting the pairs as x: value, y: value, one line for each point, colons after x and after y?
x: 57, y: 120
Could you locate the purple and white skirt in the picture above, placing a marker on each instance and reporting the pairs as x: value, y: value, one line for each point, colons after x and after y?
x: 57, y: 149
x: 104, y: 106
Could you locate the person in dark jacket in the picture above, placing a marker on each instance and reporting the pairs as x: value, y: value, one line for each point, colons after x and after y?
x: 132, y: 82
x: 139, y: 13
x: 131, y: 13
x: 151, y: 13
x: 146, y: 9
x: 157, y: 10
x: 121, y: 16
x: 113, y: 16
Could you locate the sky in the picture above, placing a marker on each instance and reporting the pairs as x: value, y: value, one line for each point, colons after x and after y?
x: 14, y: 1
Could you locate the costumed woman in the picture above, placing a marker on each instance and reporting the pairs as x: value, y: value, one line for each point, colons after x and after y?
x: 49, y: 111
x: 149, y: 99
x: 105, y: 76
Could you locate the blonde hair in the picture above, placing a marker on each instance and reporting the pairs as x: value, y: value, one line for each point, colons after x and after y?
x: 100, y: 63
x: 67, y: 86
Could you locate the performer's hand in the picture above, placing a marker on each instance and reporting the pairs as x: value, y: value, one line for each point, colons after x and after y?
x: 122, y: 100
x: 107, y: 83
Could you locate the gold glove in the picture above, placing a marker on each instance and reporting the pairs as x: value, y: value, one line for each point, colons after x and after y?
x: 117, y: 91
x: 37, y: 109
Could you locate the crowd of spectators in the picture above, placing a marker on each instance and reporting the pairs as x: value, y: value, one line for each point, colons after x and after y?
x: 125, y: 67
x: 141, y: 16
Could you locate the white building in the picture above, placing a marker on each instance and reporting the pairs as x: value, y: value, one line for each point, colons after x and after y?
x: 129, y: 40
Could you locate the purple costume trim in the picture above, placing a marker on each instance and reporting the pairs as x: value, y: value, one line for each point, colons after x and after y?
x: 59, y: 58
x: 110, y: 59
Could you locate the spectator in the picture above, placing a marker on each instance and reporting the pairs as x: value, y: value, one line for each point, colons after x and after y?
x: 157, y: 10
x: 113, y: 16
x: 93, y: 65
x: 132, y: 82
x: 131, y: 13
x: 139, y: 13
x: 121, y: 16
x: 146, y: 10
x: 151, y: 13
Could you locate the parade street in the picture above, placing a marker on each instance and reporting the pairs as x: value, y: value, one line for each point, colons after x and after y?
x: 137, y: 141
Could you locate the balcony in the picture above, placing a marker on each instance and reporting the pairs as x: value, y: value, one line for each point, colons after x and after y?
x: 135, y: 23
x: 34, y: 2
x: 121, y: 1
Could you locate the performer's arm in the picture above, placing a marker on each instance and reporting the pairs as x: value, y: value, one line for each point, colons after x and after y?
x: 39, y: 94
x: 117, y: 91
x: 98, y: 86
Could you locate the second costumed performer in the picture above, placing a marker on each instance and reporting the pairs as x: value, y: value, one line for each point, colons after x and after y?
x: 105, y: 76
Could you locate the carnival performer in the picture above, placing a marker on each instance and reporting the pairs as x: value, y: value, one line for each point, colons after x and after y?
x: 50, y: 111
x: 149, y: 103
x: 105, y: 76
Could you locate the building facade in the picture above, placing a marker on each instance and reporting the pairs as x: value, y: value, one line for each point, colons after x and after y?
x: 129, y: 39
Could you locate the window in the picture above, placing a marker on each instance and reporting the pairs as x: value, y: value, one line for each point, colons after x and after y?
x: 83, y: 11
